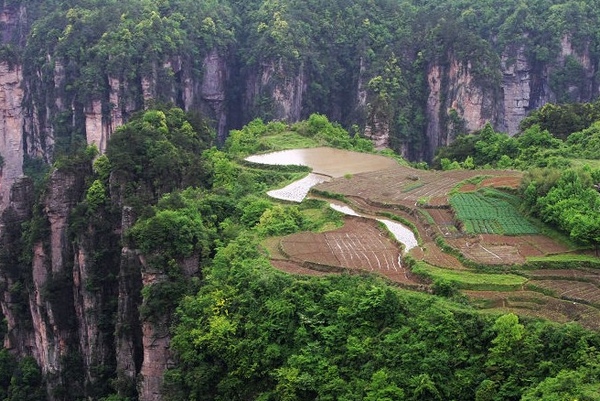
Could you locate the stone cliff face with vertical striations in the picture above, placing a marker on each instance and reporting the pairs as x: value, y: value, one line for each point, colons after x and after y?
x: 456, y: 97
x: 11, y: 132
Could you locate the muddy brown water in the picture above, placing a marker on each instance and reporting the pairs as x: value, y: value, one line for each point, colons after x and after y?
x: 327, y: 161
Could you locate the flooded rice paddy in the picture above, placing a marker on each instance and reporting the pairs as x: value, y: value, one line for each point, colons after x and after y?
x: 405, y: 236
x: 328, y: 163
x: 297, y: 190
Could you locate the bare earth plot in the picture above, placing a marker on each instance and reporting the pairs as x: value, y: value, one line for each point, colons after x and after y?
x: 494, y: 249
x: 571, y: 290
x: 360, y: 245
x: 585, y: 275
x: 405, y: 185
x: 535, y: 304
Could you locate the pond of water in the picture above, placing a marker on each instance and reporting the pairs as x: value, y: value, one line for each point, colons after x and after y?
x: 327, y: 161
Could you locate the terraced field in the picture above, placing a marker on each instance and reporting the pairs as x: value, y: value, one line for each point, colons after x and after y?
x: 359, y: 246
x: 536, y: 305
x: 405, y: 186
x: 452, y: 250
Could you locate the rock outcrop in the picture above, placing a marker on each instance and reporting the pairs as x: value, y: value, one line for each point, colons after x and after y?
x: 274, y: 92
x: 11, y: 129
x: 52, y: 301
x: 459, y: 103
x: 213, y: 91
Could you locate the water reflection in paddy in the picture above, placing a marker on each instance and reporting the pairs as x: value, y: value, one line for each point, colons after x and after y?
x: 297, y: 190
x: 326, y: 163
x: 400, y: 232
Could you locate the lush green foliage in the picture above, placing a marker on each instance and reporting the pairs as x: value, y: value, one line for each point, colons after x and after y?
x: 566, y: 200
x: 251, y: 332
x: 488, y: 213
x: 158, y: 151
x: 378, y: 51
x: 20, y: 381
x: 317, y: 130
x: 549, y: 137
x: 486, y: 148
x: 471, y: 280
x: 254, y: 333
x: 564, y: 197
x: 562, y: 120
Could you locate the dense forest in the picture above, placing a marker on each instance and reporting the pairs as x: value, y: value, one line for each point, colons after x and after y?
x: 411, y: 73
x: 135, y: 266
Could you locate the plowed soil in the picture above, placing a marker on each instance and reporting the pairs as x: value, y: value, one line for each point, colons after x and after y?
x: 503, y: 249
x: 535, y: 304
x: 359, y: 245
x: 405, y: 186
x: 586, y: 275
x: 571, y: 290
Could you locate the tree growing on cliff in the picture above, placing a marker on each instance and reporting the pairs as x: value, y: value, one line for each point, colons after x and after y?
x: 159, y: 151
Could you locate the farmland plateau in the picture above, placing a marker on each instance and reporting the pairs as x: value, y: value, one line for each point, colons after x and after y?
x: 472, y: 239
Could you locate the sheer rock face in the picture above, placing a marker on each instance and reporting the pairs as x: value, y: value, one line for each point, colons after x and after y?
x: 456, y: 103
x: 156, y: 337
x: 20, y: 338
x: 377, y: 130
x: 128, y: 333
x: 212, y: 91
x: 51, y: 302
x: 11, y: 129
x: 283, y: 89
x: 454, y: 91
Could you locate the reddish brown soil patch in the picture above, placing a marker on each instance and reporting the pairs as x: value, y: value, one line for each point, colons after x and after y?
x: 512, y: 182
x: 443, y: 221
x: 533, y: 304
x: 405, y: 185
x: 358, y: 245
x: 468, y: 188
x: 433, y: 255
x: 571, y: 290
x: 505, y: 250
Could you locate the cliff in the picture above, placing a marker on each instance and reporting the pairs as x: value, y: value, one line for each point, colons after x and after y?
x: 459, y: 103
x: 11, y: 132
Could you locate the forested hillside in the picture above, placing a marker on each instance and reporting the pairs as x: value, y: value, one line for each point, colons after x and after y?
x: 410, y: 74
x: 138, y: 247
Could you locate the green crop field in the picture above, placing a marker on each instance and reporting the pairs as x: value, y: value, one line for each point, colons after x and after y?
x: 471, y: 280
x: 482, y: 213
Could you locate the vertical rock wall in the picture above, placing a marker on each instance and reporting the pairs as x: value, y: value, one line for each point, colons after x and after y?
x: 213, y: 89
x: 516, y: 87
x: 524, y: 87
x: 282, y: 91
x: 11, y: 129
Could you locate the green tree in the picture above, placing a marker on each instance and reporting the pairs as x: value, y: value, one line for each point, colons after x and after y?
x: 382, y: 389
